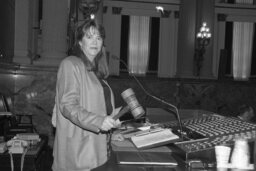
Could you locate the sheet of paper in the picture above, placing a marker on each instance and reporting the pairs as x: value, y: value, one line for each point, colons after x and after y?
x: 154, y: 138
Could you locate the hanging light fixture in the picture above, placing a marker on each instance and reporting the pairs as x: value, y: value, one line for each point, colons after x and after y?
x: 88, y: 7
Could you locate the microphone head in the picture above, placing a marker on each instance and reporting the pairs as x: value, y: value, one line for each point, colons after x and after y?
x: 130, y: 98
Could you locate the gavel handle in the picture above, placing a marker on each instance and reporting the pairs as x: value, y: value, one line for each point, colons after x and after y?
x: 123, y: 111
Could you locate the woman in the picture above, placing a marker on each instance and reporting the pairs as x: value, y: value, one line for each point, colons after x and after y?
x: 82, y: 104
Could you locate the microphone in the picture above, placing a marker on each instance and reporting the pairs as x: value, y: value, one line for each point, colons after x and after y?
x: 132, y: 105
x: 152, y: 96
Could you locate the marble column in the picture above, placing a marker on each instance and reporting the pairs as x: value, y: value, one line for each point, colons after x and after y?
x: 54, y: 32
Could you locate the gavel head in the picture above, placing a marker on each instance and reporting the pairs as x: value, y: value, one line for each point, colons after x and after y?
x: 131, y: 100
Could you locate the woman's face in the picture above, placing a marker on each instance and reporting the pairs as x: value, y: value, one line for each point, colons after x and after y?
x: 91, y: 43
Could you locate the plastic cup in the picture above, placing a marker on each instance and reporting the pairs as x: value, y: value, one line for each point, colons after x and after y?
x: 222, y: 154
x: 240, y: 158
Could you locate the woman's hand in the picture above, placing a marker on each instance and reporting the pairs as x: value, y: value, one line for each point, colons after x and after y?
x: 109, y: 123
x: 117, y: 137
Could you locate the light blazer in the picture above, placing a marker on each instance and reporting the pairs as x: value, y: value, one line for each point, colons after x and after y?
x: 78, y: 114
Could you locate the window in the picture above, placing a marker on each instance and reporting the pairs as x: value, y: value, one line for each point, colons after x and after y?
x: 157, y: 37
x: 152, y: 65
x: 228, y: 47
x: 235, y: 33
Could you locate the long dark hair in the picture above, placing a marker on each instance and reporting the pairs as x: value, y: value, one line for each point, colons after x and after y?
x: 100, y: 68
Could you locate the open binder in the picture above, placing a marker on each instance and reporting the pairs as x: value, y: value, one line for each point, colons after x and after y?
x: 154, y: 138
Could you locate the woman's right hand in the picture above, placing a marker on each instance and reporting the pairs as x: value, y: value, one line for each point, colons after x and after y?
x: 109, y: 123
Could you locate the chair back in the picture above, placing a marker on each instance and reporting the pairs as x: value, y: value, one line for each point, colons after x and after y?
x: 3, y: 107
x: 8, y: 103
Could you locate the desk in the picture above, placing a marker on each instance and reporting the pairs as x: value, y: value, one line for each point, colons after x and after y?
x: 207, y: 153
x: 33, y: 158
x: 111, y: 165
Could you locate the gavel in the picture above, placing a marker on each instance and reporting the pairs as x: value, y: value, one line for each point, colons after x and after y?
x: 132, y: 104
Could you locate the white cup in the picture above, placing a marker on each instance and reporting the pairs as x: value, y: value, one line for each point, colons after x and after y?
x: 240, y: 158
x: 222, y: 154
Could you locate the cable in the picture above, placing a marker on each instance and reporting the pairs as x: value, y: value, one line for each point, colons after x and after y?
x: 154, y: 97
x: 11, y: 160
x: 23, y: 158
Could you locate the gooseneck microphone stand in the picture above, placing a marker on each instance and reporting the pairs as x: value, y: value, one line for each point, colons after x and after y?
x: 154, y: 97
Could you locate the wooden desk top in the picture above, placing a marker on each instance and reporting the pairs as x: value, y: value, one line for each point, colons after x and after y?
x: 112, y: 165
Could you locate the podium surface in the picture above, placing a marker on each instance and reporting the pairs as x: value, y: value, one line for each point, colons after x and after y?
x: 191, y: 119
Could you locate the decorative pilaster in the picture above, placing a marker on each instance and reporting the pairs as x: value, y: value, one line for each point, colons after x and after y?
x: 54, y: 32
x: 22, y: 32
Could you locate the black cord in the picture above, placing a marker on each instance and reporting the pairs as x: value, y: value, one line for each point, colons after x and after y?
x: 154, y: 97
